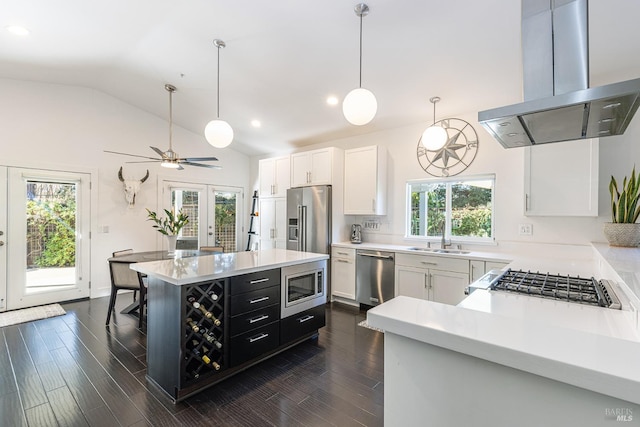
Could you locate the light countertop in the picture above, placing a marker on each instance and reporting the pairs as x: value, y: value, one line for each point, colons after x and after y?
x: 182, y: 271
x: 594, y: 348
x: 473, y: 254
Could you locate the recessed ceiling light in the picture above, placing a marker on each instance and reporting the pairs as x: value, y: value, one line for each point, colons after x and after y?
x: 256, y: 123
x: 332, y: 100
x: 17, y: 30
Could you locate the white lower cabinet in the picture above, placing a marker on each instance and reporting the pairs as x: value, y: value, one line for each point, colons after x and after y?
x: 438, y: 279
x: 343, y: 273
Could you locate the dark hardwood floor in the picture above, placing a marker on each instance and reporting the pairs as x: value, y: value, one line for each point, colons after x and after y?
x: 71, y: 370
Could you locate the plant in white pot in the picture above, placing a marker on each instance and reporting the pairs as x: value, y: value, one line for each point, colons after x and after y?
x: 625, y: 210
x: 170, y: 225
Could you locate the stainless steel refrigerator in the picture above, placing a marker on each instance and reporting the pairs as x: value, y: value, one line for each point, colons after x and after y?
x: 309, y: 219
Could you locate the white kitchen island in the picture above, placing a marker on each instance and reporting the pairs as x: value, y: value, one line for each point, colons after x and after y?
x: 507, y: 360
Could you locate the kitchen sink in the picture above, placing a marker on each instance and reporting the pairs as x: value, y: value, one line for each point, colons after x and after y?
x: 439, y: 251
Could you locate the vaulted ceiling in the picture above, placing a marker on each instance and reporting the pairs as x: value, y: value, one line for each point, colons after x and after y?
x: 285, y: 57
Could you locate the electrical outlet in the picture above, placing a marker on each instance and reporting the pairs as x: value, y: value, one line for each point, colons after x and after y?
x: 525, y: 229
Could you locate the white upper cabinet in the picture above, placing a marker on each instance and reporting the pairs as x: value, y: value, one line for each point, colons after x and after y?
x: 365, y: 181
x: 312, y: 167
x: 562, y: 179
x: 275, y: 176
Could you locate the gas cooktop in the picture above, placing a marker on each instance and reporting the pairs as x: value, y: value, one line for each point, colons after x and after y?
x: 567, y: 288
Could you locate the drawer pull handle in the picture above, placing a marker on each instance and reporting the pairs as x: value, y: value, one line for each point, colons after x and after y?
x: 253, y: 301
x: 343, y: 260
x: 253, y: 282
x: 428, y: 263
x: 305, y: 318
x: 258, y: 338
x: 342, y: 253
x: 259, y: 318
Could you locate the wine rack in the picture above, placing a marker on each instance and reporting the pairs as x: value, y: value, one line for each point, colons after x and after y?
x: 204, y: 331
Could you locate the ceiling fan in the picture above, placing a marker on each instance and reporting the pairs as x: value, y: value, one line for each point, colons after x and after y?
x: 169, y: 158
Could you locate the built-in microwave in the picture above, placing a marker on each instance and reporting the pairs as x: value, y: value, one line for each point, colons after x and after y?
x: 304, y: 286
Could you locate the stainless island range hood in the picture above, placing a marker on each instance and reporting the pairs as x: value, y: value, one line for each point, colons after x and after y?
x: 559, y: 105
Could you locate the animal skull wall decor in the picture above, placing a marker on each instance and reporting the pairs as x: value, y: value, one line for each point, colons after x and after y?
x: 131, y: 187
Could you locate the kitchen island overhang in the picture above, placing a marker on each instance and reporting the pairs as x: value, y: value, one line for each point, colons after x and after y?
x: 212, y: 316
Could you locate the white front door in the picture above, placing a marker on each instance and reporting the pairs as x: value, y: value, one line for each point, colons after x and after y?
x: 48, y: 246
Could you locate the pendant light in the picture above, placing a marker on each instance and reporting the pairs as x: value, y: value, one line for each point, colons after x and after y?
x: 359, y: 106
x: 434, y: 137
x: 218, y: 132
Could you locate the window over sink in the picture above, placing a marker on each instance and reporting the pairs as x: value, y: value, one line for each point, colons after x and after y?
x: 461, y: 208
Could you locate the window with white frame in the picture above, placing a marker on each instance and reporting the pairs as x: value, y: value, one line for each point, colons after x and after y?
x: 460, y: 208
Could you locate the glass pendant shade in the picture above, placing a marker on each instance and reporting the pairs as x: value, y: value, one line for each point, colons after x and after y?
x: 359, y: 106
x: 218, y: 133
x: 434, y: 138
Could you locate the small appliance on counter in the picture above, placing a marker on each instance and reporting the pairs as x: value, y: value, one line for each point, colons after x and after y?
x: 356, y: 233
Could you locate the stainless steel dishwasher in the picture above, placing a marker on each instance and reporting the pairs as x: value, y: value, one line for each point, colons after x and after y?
x: 374, y: 276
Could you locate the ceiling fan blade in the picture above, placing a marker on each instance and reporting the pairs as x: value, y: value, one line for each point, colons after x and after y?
x: 132, y: 155
x: 200, y: 159
x: 201, y: 165
x: 147, y: 161
x: 159, y: 151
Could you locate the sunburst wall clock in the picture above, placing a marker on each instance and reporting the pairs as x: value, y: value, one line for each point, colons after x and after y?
x: 457, y: 153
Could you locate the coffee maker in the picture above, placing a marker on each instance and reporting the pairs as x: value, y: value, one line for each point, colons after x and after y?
x: 356, y: 233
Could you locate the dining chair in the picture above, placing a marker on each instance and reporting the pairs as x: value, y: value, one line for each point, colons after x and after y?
x: 219, y: 249
x: 123, y: 278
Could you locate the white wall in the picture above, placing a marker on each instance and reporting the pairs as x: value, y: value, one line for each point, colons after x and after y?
x: 67, y: 128
x: 617, y: 156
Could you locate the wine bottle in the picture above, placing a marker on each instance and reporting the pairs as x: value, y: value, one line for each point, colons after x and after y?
x: 216, y: 321
x: 213, y: 295
x: 193, y: 325
x: 194, y: 302
x: 215, y: 365
x: 212, y: 339
x: 201, y: 352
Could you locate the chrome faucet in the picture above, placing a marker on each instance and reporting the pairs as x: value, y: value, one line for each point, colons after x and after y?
x: 443, y: 243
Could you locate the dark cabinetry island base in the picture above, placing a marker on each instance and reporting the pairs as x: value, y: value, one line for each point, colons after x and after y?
x: 201, y: 333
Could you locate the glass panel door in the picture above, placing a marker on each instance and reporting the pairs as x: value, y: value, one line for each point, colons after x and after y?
x: 215, y: 217
x: 49, y: 219
x: 226, y: 219
x: 189, y: 202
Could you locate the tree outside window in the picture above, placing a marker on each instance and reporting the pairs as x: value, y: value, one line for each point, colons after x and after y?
x: 461, y: 208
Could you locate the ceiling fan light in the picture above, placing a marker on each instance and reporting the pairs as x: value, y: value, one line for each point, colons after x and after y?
x: 218, y: 133
x: 434, y: 138
x: 359, y: 106
x: 170, y: 165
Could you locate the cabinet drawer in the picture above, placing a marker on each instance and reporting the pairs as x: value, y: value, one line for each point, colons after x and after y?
x: 298, y: 325
x: 345, y: 253
x: 253, y: 281
x: 254, y: 343
x: 254, y: 300
x: 253, y: 319
x: 433, y: 262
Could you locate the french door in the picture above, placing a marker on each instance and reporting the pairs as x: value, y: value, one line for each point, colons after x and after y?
x: 215, y: 214
x: 47, y: 240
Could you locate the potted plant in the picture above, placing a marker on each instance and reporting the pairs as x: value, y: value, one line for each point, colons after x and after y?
x: 625, y: 210
x: 170, y: 225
